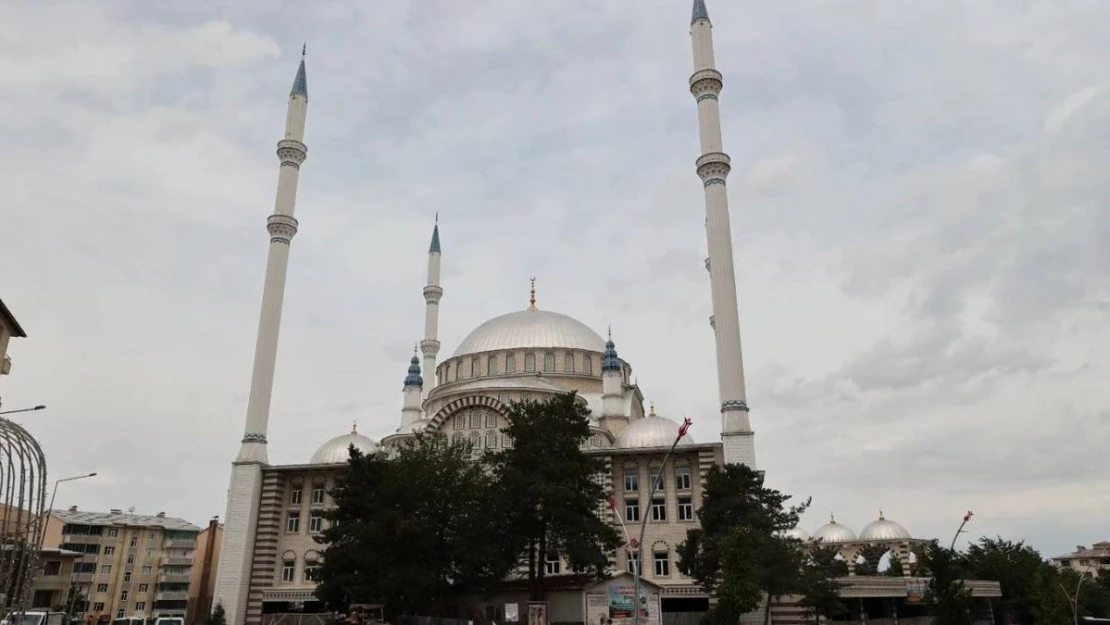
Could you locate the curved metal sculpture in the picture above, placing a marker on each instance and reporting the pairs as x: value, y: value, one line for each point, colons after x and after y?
x: 22, y: 513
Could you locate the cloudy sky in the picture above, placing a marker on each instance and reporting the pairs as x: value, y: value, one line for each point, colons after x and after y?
x: 920, y: 218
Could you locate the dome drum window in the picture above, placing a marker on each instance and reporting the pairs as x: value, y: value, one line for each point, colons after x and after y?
x: 491, y: 365
x: 568, y: 363
x: 549, y: 362
x: 510, y: 363
x: 529, y: 363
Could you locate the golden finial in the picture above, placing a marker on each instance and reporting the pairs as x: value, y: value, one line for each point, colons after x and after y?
x: 651, y: 404
x: 881, y: 518
x: 354, y: 427
x: 304, y: 48
x: 532, y: 297
x: 832, y: 518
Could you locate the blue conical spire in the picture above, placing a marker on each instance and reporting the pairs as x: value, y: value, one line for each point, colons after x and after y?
x: 434, y: 247
x: 413, y: 378
x: 700, y: 13
x: 300, y: 83
x: 610, y: 361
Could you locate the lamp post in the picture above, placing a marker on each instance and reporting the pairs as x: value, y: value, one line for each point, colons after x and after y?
x: 967, y: 517
x: 39, y: 407
x: 1074, y: 599
x: 639, y: 546
x: 50, y: 508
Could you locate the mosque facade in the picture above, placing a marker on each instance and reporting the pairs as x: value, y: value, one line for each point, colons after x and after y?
x: 270, y: 559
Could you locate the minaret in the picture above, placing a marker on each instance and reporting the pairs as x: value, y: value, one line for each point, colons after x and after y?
x: 432, y: 294
x: 414, y: 387
x: 240, y: 522
x: 612, y: 391
x: 713, y: 167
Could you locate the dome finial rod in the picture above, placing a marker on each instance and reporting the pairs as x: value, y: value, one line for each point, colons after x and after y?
x: 354, y: 427
x: 881, y: 517
x: 532, y: 296
x: 832, y: 518
x: 651, y: 405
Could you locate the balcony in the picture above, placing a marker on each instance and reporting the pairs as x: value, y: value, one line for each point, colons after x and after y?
x: 83, y: 577
x: 83, y: 539
x: 172, y: 595
x: 169, y: 561
x: 175, y: 578
x: 180, y: 544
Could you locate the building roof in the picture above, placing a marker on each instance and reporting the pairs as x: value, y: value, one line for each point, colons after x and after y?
x: 1097, y: 550
x: 9, y: 320
x: 651, y: 431
x: 120, y: 519
x: 337, y: 450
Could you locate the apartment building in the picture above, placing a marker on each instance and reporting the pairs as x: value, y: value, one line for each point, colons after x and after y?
x: 202, y: 588
x: 1094, y: 560
x: 130, y: 565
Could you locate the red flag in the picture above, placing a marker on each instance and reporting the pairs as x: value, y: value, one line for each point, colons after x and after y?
x: 612, y: 504
x: 685, y: 427
x: 967, y: 517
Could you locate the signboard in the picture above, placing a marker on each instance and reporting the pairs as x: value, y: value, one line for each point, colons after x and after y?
x: 512, y: 612
x: 617, y: 606
x: 537, y: 613
x: 915, y: 589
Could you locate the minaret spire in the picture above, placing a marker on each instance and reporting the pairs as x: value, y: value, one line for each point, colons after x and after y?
x: 413, y: 388
x: 433, y: 292
x: 233, y: 578
x: 713, y: 167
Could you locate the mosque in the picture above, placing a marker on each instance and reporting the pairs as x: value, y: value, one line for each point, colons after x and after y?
x: 269, y: 561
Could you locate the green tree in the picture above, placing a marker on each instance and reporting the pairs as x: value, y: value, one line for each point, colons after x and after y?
x: 550, y: 498
x: 218, y: 617
x: 947, y: 598
x: 896, y: 569
x: 1049, y: 603
x: 737, y: 554
x: 1015, y: 566
x: 820, y: 589
x: 410, y: 530
x: 871, y: 555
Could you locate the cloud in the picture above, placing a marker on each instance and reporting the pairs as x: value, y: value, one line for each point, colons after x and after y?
x: 918, y: 216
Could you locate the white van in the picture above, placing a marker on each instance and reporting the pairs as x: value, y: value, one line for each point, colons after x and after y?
x: 169, y: 620
x: 36, y: 617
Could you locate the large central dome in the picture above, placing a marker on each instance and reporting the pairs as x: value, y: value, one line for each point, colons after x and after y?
x: 530, y: 329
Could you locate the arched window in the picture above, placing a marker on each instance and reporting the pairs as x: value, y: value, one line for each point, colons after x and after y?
x: 549, y: 362
x: 589, y: 365
x: 475, y: 367
x: 491, y: 365
x: 475, y: 440
x: 460, y: 421
x: 491, y: 439
x: 510, y: 363
x: 568, y: 363
x: 457, y: 438
x: 529, y: 362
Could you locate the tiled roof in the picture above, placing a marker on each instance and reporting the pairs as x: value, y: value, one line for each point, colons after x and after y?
x: 1097, y: 550
x: 120, y: 519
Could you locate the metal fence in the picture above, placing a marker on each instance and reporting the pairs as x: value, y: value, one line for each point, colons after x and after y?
x: 22, y: 516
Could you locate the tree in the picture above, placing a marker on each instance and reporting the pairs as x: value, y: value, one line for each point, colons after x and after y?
x: 1015, y: 566
x: 820, y: 589
x: 895, y: 569
x: 410, y: 530
x: 871, y: 555
x: 217, y: 617
x: 738, y: 552
x: 947, y: 598
x: 550, y: 500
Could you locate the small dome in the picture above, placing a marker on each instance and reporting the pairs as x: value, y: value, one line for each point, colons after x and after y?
x: 833, y: 532
x: 337, y: 450
x: 651, y: 431
x: 797, y: 533
x: 884, y: 529
x: 530, y: 329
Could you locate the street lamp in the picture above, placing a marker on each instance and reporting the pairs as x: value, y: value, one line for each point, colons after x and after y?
x: 39, y: 407
x: 638, y: 545
x: 967, y: 517
x: 50, y: 508
x: 1074, y: 599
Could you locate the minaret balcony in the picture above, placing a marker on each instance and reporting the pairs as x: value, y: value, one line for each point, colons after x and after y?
x: 433, y: 292
x: 706, y: 81
x: 292, y: 152
x: 714, y: 165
